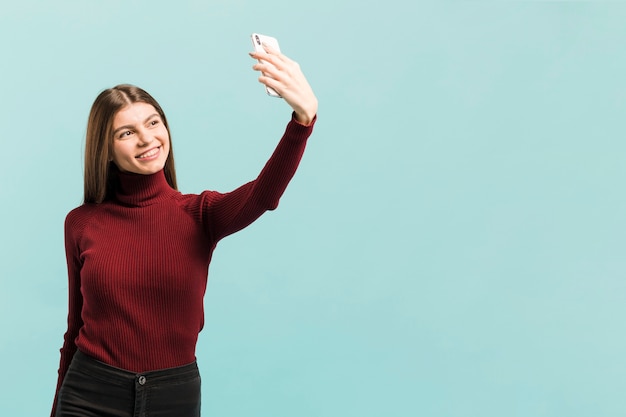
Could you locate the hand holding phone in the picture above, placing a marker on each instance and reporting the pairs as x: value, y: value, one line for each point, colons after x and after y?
x: 257, y: 41
x: 285, y: 75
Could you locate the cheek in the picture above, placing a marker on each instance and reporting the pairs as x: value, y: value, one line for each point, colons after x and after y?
x: 166, y: 143
x: 119, y: 152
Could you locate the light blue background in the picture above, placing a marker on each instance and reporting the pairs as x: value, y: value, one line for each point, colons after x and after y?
x: 452, y: 244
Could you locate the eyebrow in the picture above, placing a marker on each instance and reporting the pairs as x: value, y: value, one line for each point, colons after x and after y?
x: 132, y: 126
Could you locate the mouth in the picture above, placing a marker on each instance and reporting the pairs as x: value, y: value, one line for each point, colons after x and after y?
x: 150, y: 154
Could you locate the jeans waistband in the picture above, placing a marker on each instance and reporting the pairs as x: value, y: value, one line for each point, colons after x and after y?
x: 110, y: 373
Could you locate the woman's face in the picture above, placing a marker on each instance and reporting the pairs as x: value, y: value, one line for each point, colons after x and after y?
x: 141, y: 143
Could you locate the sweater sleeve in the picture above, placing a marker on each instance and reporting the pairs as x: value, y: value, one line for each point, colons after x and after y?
x: 75, y: 301
x: 224, y: 214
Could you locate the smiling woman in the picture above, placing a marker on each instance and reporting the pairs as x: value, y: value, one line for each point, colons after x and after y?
x: 138, y: 253
x: 123, y: 123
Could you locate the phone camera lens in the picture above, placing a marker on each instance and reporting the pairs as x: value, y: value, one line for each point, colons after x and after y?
x: 258, y: 41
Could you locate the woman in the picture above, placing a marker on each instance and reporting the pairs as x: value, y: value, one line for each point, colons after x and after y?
x: 138, y: 252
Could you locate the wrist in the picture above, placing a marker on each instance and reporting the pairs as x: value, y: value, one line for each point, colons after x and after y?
x: 305, y: 116
x: 303, y: 119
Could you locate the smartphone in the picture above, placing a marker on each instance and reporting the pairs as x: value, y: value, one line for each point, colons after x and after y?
x: 257, y: 41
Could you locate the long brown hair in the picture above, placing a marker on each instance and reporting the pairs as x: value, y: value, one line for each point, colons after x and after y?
x: 99, y: 175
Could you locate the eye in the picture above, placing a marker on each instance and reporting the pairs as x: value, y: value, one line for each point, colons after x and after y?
x: 154, y: 122
x: 125, y: 134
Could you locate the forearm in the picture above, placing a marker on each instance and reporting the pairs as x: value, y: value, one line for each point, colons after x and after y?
x: 282, y: 165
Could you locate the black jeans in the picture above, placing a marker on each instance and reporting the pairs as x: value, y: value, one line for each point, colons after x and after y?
x: 93, y: 389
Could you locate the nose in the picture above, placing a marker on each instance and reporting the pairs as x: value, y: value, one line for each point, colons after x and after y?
x: 145, y: 138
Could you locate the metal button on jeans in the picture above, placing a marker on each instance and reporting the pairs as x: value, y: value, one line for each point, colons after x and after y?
x: 142, y: 380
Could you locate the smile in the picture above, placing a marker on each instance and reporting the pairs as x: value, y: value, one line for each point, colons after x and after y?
x: 149, y: 154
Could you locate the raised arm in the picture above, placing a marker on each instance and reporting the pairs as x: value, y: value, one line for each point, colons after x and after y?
x: 224, y: 214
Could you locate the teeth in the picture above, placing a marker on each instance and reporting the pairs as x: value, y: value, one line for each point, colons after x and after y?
x: 149, y: 154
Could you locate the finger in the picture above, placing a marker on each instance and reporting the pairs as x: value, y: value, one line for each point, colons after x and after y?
x: 268, y: 70
x: 271, y: 50
x: 275, y: 52
x: 269, y: 60
x: 270, y: 82
x: 279, y: 55
x: 262, y: 53
x: 274, y: 60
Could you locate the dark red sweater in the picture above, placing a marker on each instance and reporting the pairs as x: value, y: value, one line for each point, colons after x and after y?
x: 138, y: 263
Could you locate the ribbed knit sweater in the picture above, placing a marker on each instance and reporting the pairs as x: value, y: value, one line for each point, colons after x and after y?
x: 138, y: 262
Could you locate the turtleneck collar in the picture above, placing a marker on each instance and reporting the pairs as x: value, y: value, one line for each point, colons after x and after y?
x: 142, y: 190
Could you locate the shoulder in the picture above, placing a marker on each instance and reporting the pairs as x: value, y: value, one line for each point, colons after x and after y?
x: 81, y: 211
x: 77, y: 218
